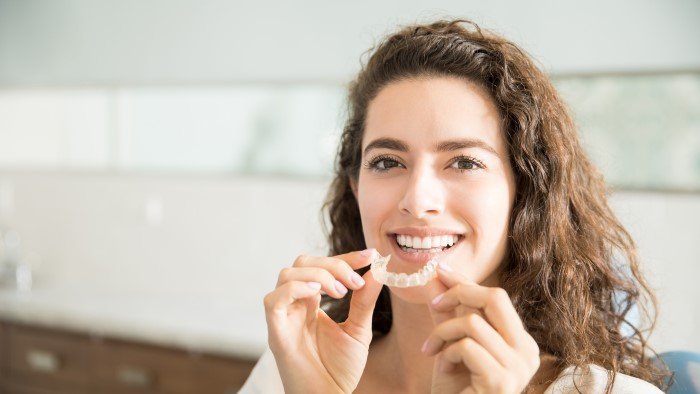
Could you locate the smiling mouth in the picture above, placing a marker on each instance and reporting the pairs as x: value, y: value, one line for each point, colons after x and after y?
x: 443, y: 246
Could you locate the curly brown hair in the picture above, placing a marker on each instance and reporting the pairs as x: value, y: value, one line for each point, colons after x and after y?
x: 560, y: 268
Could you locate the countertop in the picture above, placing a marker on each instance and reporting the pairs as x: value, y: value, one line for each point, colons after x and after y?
x: 200, y: 325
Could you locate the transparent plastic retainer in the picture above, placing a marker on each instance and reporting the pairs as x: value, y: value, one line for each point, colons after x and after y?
x: 420, y: 278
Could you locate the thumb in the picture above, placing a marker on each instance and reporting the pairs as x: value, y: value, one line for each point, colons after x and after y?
x: 358, y: 259
x: 434, y: 288
x: 359, y: 322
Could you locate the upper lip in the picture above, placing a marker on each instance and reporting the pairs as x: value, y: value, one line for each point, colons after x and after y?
x: 424, y: 231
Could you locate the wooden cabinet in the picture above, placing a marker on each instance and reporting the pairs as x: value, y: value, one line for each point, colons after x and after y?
x: 3, y: 354
x: 46, y: 360
x: 38, y: 360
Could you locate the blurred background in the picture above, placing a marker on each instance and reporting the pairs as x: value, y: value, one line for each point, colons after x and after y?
x: 161, y: 161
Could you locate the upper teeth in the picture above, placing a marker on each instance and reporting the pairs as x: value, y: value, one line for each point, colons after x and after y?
x: 439, y: 241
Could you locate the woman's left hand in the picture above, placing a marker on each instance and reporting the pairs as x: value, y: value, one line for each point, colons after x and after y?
x: 481, y: 343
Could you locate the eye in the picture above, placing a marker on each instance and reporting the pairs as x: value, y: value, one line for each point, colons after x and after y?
x: 466, y: 163
x: 382, y: 163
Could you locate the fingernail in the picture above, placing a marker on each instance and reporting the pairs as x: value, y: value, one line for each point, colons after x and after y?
x: 341, y: 289
x: 425, y: 346
x: 367, y: 252
x: 437, y: 299
x: 357, y: 279
x: 314, y: 285
x: 443, y: 265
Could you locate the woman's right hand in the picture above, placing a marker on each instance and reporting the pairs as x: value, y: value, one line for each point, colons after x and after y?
x: 314, y: 353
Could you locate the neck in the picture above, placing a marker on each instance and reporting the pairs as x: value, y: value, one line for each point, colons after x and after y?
x: 399, y: 351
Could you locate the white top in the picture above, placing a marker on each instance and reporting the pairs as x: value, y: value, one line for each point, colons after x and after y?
x: 265, y: 378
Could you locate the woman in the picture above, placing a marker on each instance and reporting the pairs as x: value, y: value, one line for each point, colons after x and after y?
x: 458, y: 146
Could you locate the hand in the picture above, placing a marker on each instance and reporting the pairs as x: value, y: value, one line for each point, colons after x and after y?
x: 314, y: 353
x: 481, y: 343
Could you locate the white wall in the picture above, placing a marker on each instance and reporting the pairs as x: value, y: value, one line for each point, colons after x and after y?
x: 221, y: 234
x: 66, y: 42
x: 665, y: 229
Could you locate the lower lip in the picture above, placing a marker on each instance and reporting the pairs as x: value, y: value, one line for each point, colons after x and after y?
x: 420, y: 258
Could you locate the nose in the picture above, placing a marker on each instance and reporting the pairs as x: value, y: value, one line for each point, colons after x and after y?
x: 424, y: 194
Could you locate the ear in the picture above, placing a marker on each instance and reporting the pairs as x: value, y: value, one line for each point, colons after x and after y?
x: 353, y: 186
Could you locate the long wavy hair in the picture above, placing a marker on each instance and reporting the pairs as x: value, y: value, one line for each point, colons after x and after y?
x: 571, y: 269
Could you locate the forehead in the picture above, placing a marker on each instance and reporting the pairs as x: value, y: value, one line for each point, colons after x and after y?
x: 424, y: 111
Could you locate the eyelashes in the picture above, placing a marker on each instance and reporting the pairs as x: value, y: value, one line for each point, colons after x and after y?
x: 373, y: 164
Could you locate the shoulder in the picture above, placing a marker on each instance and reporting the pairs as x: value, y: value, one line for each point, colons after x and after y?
x: 264, y: 378
x: 595, y: 380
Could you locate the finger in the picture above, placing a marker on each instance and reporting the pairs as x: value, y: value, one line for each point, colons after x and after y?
x: 355, y: 259
x: 487, y: 375
x: 359, y: 322
x: 342, y: 266
x: 281, y: 298
x: 279, y: 302
x: 441, y: 283
x: 434, y: 288
x: 329, y: 283
x: 358, y: 259
x: 495, y: 302
x: 449, y: 277
x: 472, y: 355
x: 312, y: 307
x: 475, y: 327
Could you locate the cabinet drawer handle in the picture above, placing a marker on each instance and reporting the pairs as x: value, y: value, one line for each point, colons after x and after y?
x: 41, y: 360
x: 134, y: 377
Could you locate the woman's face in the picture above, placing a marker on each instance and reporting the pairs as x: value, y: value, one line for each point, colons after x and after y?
x: 435, y: 164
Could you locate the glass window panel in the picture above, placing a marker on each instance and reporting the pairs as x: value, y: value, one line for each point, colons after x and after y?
x: 643, y: 131
x: 281, y: 130
x: 54, y: 128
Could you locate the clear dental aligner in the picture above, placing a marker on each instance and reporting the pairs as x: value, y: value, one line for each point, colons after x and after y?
x: 420, y: 278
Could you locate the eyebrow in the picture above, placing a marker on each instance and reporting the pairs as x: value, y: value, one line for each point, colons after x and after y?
x: 445, y: 146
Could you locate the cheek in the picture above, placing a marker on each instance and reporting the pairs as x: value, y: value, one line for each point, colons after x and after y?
x: 375, y: 205
x: 486, y: 209
x: 485, y: 205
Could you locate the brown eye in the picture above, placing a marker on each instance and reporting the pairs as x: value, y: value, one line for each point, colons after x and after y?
x: 465, y: 163
x: 388, y: 163
x: 382, y: 164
